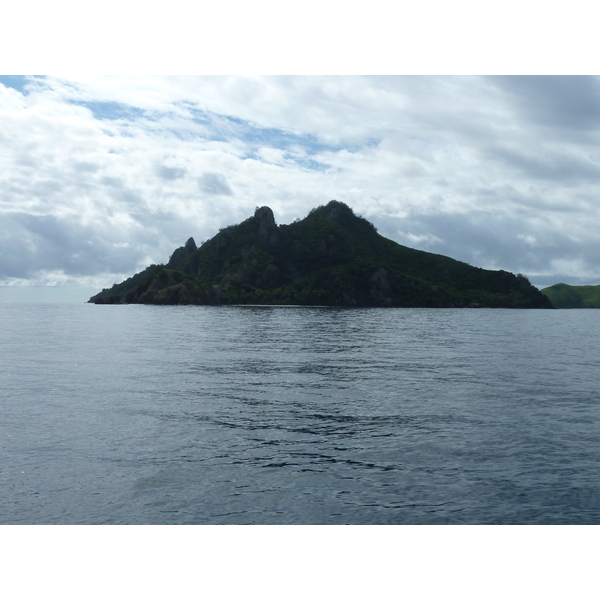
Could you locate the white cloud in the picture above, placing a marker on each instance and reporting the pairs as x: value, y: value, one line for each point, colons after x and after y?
x: 422, y: 240
x: 102, y: 175
x: 214, y: 184
x: 528, y: 239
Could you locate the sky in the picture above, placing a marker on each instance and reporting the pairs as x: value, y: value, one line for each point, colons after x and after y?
x: 101, y: 176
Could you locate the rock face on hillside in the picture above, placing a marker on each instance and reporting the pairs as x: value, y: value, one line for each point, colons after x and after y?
x: 332, y: 257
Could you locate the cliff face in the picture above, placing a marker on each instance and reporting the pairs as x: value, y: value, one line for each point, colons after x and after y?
x: 332, y: 257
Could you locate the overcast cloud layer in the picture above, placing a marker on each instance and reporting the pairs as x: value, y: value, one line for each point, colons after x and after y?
x: 102, y: 176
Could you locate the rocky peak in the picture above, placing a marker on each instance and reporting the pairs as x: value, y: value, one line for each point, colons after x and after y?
x: 182, y: 254
x: 267, y: 228
x: 265, y: 217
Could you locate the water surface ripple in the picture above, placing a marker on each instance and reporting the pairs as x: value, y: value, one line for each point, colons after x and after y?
x: 253, y: 415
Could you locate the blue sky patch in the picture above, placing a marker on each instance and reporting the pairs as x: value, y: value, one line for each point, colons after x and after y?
x: 16, y: 82
x: 110, y: 110
x: 225, y: 128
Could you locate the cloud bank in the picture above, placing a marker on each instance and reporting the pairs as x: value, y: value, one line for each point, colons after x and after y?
x: 101, y: 176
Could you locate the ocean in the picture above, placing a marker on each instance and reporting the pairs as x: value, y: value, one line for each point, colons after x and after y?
x: 130, y: 414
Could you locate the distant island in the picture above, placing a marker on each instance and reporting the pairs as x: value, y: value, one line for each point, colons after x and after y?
x: 573, y: 296
x: 332, y: 257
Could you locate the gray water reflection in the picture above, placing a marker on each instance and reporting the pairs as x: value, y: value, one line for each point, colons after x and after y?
x: 140, y: 414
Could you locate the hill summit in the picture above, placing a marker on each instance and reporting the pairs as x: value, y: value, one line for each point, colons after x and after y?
x: 563, y: 295
x: 332, y: 257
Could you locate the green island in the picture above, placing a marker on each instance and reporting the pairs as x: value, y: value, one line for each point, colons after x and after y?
x: 573, y: 296
x: 332, y: 257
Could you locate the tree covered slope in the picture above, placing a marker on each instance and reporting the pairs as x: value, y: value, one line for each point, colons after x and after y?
x: 332, y: 257
x: 573, y: 296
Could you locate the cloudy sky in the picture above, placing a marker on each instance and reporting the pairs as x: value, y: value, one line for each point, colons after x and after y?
x: 101, y: 176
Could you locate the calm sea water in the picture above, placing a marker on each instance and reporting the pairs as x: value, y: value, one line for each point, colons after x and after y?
x: 254, y: 415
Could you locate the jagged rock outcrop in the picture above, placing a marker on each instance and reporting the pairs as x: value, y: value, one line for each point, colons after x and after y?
x: 267, y: 228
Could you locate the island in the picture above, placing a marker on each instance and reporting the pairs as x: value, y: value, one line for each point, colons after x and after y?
x: 332, y: 257
x: 563, y: 295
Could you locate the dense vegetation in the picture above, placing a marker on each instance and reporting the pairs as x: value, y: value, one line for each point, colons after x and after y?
x: 573, y: 296
x: 332, y: 257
